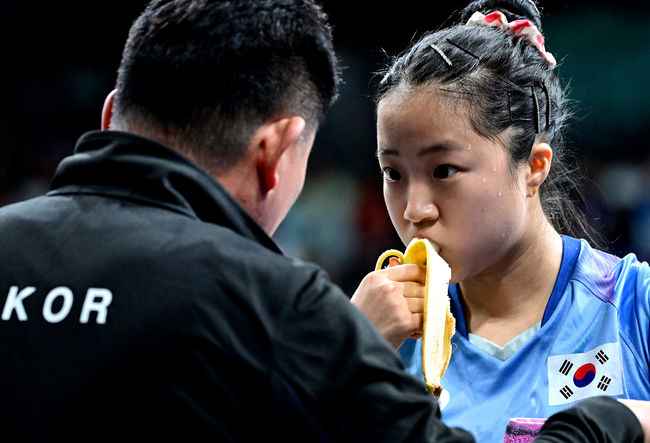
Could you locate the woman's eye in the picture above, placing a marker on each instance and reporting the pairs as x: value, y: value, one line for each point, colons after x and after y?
x: 390, y: 175
x: 444, y: 171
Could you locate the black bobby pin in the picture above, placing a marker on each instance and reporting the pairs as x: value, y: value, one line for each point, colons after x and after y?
x: 509, y: 108
x: 441, y: 54
x: 548, y: 105
x: 510, y: 119
x: 535, y: 108
x: 454, y: 91
x: 467, y: 51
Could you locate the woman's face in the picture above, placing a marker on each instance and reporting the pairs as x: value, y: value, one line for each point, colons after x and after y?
x: 445, y: 182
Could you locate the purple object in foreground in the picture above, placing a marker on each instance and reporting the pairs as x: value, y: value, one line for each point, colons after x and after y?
x: 522, y: 430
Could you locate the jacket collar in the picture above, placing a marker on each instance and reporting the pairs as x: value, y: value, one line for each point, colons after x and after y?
x: 129, y: 166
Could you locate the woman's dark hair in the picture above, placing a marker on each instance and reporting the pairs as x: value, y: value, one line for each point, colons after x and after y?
x: 206, y: 73
x: 508, y: 86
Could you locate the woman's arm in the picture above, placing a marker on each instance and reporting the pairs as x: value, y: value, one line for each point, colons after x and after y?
x: 599, y: 420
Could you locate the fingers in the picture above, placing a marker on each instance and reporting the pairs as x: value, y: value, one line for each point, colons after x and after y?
x: 411, y: 289
x: 417, y: 324
x: 393, y: 299
x: 415, y: 304
x: 403, y: 273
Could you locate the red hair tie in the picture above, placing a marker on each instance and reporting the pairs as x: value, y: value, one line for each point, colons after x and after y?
x: 521, y: 28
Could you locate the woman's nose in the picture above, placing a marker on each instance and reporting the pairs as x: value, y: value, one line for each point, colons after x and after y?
x: 420, y: 206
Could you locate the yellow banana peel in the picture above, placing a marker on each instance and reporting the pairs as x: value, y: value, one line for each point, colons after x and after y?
x: 439, y: 323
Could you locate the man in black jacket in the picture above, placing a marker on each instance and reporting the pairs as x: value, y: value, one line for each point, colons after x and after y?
x: 143, y: 298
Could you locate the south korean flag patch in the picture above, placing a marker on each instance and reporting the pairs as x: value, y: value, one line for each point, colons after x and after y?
x: 573, y: 377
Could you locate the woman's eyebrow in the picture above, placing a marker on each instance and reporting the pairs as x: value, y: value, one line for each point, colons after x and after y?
x: 384, y: 151
x: 439, y: 147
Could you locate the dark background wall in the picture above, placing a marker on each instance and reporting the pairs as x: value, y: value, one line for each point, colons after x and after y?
x: 59, y: 60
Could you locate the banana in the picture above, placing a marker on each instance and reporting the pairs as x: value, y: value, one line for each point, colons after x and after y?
x: 439, y: 323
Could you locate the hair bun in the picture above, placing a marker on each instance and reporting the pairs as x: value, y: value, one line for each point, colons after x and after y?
x: 512, y: 9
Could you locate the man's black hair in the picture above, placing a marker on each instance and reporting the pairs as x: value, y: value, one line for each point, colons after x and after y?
x: 206, y: 73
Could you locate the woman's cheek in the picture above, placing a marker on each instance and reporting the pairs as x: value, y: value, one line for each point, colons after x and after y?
x: 395, y: 209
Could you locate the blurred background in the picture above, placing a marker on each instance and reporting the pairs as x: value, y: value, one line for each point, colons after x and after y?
x: 60, y: 61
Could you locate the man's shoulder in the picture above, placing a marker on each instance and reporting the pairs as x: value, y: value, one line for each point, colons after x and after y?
x: 18, y: 208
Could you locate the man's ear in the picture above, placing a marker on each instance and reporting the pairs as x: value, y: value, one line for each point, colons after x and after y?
x: 539, y: 165
x: 107, y: 110
x: 271, y: 142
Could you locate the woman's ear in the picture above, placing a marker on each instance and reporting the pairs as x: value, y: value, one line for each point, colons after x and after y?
x: 107, y: 110
x: 539, y: 165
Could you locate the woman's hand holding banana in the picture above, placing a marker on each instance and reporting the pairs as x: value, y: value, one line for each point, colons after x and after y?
x: 411, y: 300
x: 393, y: 299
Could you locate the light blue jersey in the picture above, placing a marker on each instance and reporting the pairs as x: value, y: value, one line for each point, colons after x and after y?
x: 593, y: 340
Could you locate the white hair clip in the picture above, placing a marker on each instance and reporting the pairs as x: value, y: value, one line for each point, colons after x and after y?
x: 441, y: 54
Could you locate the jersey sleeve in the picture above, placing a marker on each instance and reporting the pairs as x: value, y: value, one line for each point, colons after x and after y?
x: 633, y: 296
x: 643, y: 291
x: 643, y: 311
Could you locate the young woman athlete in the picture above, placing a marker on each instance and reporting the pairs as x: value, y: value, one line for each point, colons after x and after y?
x: 469, y: 132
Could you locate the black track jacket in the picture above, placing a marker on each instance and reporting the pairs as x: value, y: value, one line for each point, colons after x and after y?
x: 140, y: 301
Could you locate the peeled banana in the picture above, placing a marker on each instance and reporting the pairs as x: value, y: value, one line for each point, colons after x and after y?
x: 439, y: 323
